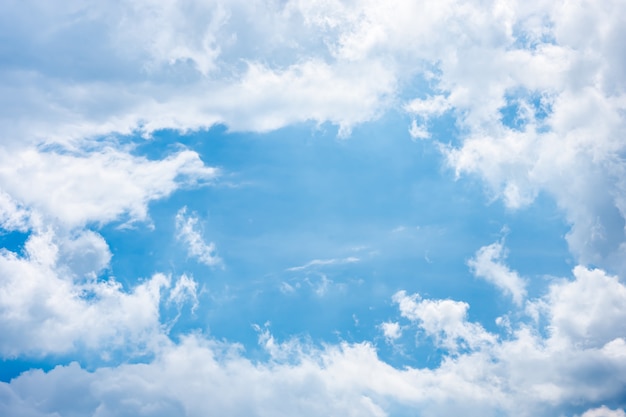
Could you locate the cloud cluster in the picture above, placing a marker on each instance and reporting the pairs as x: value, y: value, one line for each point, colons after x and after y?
x: 549, y: 119
x: 519, y: 374
x: 521, y: 82
x: 47, y: 307
x: 98, y: 186
x: 537, y: 90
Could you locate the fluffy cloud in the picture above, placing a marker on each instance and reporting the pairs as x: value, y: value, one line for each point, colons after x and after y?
x: 444, y: 320
x: 488, y: 264
x: 76, y: 188
x: 391, y: 330
x: 566, y: 93
x: 202, y: 59
x: 51, y: 300
x: 588, y: 311
x: 538, y: 93
x: 346, y: 63
x: 523, y: 374
x: 13, y: 216
x: 604, y: 412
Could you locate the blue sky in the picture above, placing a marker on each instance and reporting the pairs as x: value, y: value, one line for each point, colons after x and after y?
x: 313, y: 208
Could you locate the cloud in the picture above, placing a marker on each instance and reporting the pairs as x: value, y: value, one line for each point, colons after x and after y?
x: 432, y: 106
x: 324, y: 262
x: 82, y: 254
x: 525, y: 374
x: 13, y: 216
x: 185, y: 290
x: 588, y: 311
x: 488, y: 264
x: 603, y: 412
x: 74, y: 189
x: 391, y: 330
x: 580, y: 357
x: 418, y: 131
x: 141, y: 66
x: 444, y: 320
x: 186, y: 230
x: 147, y: 61
x: 567, y: 93
x: 346, y: 63
x: 46, y: 307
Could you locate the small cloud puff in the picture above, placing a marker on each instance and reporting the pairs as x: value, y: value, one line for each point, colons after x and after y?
x: 391, y: 330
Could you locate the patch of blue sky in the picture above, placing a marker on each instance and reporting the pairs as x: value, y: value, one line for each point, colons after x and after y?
x: 379, y: 200
x: 12, y: 367
x: 378, y: 212
x: 14, y: 240
x: 524, y: 106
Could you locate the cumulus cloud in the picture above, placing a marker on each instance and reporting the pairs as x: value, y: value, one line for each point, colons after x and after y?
x: 444, y: 320
x: 567, y: 96
x: 136, y: 80
x: 525, y: 374
x: 347, y: 63
x: 391, y: 330
x: 488, y: 264
x: 73, y: 189
x: 13, y: 216
x: 588, y: 311
x: 141, y: 66
x: 46, y: 307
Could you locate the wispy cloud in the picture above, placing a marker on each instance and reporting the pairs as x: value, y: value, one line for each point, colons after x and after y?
x: 325, y: 262
x: 187, y: 231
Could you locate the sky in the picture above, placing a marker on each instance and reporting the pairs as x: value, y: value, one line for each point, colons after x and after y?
x: 313, y: 208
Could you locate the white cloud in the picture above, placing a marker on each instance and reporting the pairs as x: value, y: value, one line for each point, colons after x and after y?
x: 48, y: 307
x: 325, y: 262
x: 569, y: 93
x: 603, y: 412
x: 73, y: 71
x: 589, y: 311
x: 489, y: 265
x: 99, y: 186
x: 391, y: 330
x: 13, y: 216
x: 287, y: 288
x: 523, y: 375
x: 432, y: 106
x: 419, y: 131
x: 185, y: 290
x: 444, y: 320
x: 83, y: 254
x: 347, y: 63
x: 322, y: 286
x: 221, y: 62
x: 186, y: 229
